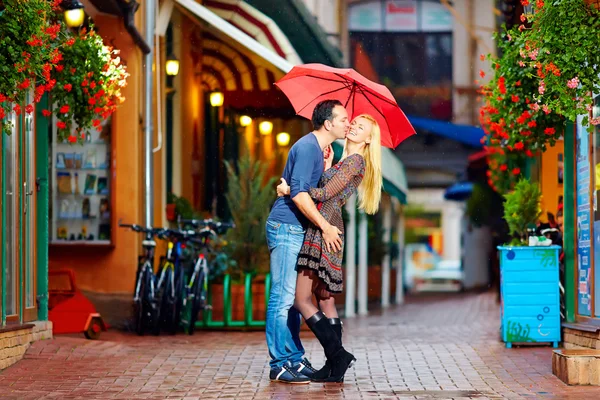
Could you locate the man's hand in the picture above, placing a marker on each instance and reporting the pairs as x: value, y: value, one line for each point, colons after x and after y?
x: 331, y: 237
x: 328, y: 154
x: 283, y: 189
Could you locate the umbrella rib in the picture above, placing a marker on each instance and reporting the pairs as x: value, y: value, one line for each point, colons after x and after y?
x: 323, y: 94
x: 382, y: 114
x: 360, y: 85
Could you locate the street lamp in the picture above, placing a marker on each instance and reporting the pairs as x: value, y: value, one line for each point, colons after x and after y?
x: 172, y: 66
x: 265, y: 127
x: 74, y: 14
x: 245, y: 120
x: 216, y: 99
x: 283, y: 139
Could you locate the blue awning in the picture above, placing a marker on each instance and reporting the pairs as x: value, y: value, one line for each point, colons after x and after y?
x: 459, y: 191
x: 467, y: 134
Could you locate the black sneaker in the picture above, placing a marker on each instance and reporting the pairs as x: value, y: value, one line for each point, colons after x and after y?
x: 305, y: 368
x: 286, y: 374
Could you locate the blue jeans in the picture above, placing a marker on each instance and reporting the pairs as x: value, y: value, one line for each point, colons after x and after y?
x: 283, y: 320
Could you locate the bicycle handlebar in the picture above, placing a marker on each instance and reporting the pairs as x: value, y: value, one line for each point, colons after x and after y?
x: 207, y: 223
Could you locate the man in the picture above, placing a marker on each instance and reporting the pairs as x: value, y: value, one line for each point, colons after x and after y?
x: 285, y: 235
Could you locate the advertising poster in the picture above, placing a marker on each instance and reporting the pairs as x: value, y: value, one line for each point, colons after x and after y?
x: 584, y: 214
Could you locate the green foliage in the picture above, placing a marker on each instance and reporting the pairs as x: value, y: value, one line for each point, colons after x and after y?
x: 562, y: 46
x: 249, y: 198
x: 522, y: 209
x: 479, y: 205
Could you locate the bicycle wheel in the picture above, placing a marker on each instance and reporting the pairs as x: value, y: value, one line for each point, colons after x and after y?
x: 179, y: 293
x: 143, y: 312
x: 199, y: 288
x: 162, y: 299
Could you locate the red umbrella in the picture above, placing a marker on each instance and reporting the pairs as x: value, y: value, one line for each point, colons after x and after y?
x: 309, y: 84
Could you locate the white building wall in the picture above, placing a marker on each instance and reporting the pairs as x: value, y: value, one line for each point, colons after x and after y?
x: 476, y: 16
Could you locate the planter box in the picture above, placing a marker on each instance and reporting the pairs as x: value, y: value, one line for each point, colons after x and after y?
x: 530, y: 305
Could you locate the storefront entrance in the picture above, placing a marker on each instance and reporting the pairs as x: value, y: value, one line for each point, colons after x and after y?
x: 18, y: 238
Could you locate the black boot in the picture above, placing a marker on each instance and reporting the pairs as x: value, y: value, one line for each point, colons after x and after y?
x: 325, y: 373
x: 339, y: 359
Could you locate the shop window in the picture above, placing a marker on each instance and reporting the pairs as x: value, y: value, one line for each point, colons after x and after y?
x: 80, y: 198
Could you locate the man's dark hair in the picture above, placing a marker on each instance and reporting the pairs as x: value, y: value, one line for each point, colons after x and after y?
x: 324, y: 112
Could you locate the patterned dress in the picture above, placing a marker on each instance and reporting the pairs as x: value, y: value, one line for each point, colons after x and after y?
x: 337, y: 184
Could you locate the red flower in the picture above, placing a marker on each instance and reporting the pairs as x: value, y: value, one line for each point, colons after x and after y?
x: 482, y: 57
x: 96, y: 123
x: 518, y: 83
x: 519, y: 146
x: 539, y: 3
x: 532, y: 124
x: 528, y: 153
x: 2, y: 113
x: 84, y: 83
x: 64, y: 109
x: 97, y: 110
x: 481, y: 73
x: 61, y: 125
x: 2, y: 98
x: 70, y: 42
x: 91, y: 101
x: 29, y: 108
x: 25, y: 84
x: 17, y: 109
x: 50, y: 84
x: 514, y: 98
x: 72, y: 139
x: 68, y: 87
x: 549, y: 131
x: 516, y: 171
x: 73, y: 70
x: 53, y: 30
x: 46, y: 113
x: 92, y: 85
x: 60, y: 68
x: 503, y: 167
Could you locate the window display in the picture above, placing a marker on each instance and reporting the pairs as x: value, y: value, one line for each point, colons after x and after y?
x: 80, y: 189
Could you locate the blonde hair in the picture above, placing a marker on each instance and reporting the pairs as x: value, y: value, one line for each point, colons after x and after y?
x: 369, y: 191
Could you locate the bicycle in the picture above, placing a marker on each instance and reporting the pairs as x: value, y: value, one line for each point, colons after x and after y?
x: 146, y: 311
x: 195, y: 297
x: 171, y: 280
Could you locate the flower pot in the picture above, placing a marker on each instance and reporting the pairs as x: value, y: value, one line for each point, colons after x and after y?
x: 530, y: 302
x: 171, y: 214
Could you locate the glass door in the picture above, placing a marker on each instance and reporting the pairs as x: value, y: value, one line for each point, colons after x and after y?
x: 28, y: 217
x: 10, y: 244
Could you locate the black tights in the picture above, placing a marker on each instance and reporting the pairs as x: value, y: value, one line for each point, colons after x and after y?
x: 308, y: 283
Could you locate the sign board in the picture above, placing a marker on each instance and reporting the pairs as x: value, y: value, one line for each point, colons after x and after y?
x: 399, y: 16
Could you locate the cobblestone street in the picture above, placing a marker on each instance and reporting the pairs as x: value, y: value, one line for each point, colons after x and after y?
x: 436, y: 347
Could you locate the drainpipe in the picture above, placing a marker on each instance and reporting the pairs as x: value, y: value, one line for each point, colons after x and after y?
x: 148, y: 114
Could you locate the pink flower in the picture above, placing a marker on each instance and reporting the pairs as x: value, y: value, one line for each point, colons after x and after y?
x: 542, y: 87
x: 533, y: 54
x: 573, y: 83
x: 595, y: 121
x: 546, y: 109
x: 521, y: 64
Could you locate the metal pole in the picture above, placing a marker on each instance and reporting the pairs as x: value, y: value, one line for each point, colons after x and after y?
x: 387, y: 259
x: 350, y: 244
x: 400, y: 265
x: 148, y: 114
x: 363, y: 272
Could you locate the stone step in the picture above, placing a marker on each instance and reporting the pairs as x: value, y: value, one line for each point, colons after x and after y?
x: 577, y: 367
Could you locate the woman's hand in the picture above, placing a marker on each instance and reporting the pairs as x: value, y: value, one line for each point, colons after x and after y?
x: 328, y: 154
x: 283, y: 189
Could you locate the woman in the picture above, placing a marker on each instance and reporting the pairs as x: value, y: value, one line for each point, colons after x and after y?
x: 319, y: 269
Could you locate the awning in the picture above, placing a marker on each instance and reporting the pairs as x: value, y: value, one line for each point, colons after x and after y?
x: 394, y: 177
x: 466, y: 134
x: 300, y: 27
x: 227, y: 31
x: 460, y: 191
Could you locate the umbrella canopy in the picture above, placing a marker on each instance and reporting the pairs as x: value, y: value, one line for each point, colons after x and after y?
x: 460, y: 191
x: 307, y: 85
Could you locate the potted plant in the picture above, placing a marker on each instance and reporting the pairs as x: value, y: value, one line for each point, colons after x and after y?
x: 529, y: 279
x: 249, y: 197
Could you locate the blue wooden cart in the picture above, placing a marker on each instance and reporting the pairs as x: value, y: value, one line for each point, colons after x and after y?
x: 530, y: 308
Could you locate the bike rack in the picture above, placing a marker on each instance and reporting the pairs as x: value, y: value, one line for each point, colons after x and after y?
x: 228, y: 322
